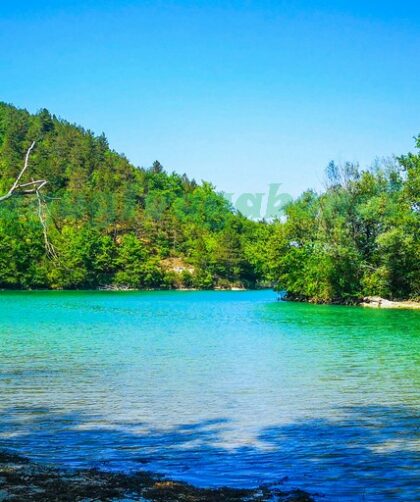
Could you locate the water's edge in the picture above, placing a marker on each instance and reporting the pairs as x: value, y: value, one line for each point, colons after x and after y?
x: 369, y: 302
x: 21, y: 479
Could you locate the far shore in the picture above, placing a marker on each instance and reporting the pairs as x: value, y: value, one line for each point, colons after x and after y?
x: 376, y: 302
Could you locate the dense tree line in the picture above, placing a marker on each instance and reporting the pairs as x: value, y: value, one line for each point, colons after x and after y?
x: 113, y: 224
x: 360, y: 237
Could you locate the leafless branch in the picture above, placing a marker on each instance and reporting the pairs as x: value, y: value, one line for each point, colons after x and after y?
x: 42, y: 215
x: 15, y: 188
x: 32, y: 188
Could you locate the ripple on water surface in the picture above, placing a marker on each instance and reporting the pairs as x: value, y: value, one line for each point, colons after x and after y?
x: 215, y: 388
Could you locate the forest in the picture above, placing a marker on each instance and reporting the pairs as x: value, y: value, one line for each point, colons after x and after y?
x: 101, y: 222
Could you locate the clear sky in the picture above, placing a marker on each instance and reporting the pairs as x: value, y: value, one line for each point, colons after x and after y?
x: 241, y: 93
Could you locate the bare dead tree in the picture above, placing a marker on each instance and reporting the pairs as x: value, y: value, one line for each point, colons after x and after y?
x: 32, y: 187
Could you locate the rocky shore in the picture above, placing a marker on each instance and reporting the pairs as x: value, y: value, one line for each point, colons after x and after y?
x: 22, y: 480
x: 382, y: 303
x: 368, y: 301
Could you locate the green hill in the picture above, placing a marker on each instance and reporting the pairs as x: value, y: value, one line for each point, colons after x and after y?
x: 111, y: 223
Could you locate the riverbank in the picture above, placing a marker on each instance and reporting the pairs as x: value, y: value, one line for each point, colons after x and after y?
x: 368, y: 301
x: 179, y: 288
x: 21, y: 479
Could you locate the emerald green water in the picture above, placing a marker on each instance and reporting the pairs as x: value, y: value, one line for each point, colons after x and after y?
x: 215, y: 388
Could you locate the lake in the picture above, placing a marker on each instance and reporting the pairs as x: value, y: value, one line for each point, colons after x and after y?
x: 215, y: 388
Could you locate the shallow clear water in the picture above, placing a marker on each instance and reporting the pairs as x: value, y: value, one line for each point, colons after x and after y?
x: 215, y: 388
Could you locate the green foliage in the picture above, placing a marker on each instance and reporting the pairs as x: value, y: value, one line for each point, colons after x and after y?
x: 112, y: 224
x: 360, y: 237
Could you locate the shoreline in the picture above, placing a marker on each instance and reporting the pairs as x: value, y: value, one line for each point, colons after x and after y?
x: 129, y: 290
x: 366, y: 302
x: 21, y: 479
x: 376, y: 302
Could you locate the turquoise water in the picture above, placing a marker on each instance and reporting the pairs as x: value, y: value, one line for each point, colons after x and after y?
x: 215, y: 388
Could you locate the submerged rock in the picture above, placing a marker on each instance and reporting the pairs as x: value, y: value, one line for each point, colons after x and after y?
x: 22, y: 480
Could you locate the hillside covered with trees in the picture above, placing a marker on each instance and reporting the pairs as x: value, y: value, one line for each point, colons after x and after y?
x: 111, y: 224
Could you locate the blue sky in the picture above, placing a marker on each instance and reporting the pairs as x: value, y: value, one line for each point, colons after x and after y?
x: 239, y: 93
